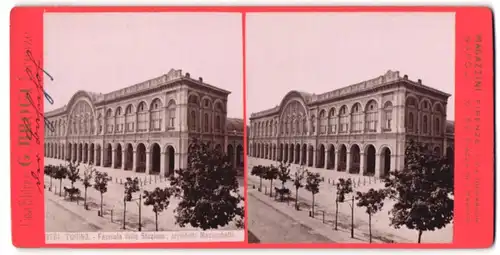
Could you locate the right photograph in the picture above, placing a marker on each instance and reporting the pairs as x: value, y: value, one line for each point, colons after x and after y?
x: 350, y: 127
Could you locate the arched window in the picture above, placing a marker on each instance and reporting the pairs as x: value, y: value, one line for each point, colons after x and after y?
x: 109, y: 121
x: 171, y: 107
x: 192, y: 121
x: 304, y: 125
x: 119, y: 120
x: 142, y: 115
x: 313, y: 124
x: 410, y: 120
x: 332, y: 121
x: 206, y: 124
x: 129, y: 119
x: 371, y: 117
x: 356, y: 118
x: 387, y: 116
x: 217, y: 123
x: 437, y: 127
x: 344, y: 119
x: 156, y: 111
x: 424, y: 125
x: 323, y: 122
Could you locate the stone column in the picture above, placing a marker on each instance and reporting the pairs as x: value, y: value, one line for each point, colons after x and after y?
x: 134, y: 161
x: 348, y: 162
x: 148, y: 161
x: 103, y: 156
x: 163, y: 163
x: 89, y: 153
x: 337, y: 159
x: 378, y: 161
x: 113, y: 157
x: 95, y: 156
x: 326, y: 159
x: 315, y: 157
x: 362, y: 162
x: 124, y: 159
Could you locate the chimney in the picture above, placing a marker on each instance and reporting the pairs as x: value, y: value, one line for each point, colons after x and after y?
x: 188, y: 75
x: 405, y: 77
x: 201, y: 79
x: 420, y: 81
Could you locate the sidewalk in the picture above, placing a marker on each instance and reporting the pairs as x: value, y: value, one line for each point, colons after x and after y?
x: 302, y: 218
x: 325, y: 201
x: 113, y: 201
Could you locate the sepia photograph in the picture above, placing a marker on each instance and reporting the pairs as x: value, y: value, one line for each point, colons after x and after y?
x: 147, y: 134
x: 351, y: 127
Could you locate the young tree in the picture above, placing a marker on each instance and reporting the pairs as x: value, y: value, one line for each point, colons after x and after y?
x: 60, y: 173
x: 49, y: 171
x: 373, y: 201
x: 101, y: 184
x: 271, y: 173
x: 422, y: 191
x: 283, y: 176
x: 131, y: 186
x: 344, y: 187
x: 313, y: 181
x: 298, y: 180
x: 208, y: 189
x: 258, y: 171
x: 159, y: 199
x: 87, y: 178
x: 73, y: 175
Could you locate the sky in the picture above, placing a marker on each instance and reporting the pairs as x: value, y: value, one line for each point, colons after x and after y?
x: 104, y: 52
x: 321, y: 52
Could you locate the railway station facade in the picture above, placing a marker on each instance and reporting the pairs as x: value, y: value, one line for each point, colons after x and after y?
x: 359, y: 129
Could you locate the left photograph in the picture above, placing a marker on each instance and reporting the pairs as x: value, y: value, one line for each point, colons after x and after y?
x: 148, y: 130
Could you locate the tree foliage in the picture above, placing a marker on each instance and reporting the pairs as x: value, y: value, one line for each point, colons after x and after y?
x: 313, y: 180
x: 159, y: 199
x: 344, y: 187
x: 271, y: 174
x: 260, y: 172
x: 60, y: 173
x: 373, y: 201
x: 207, y: 188
x: 422, y: 191
x: 73, y: 172
x: 283, y: 176
x: 131, y: 186
x: 101, y: 180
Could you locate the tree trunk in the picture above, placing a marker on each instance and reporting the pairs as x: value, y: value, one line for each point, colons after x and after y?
x: 124, y: 212
x: 140, y: 217
x: 260, y: 185
x: 60, y: 186
x: 336, y: 212
x: 352, y: 218
x: 271, y: 189
x: 51, y: 181
x: 420, y: 235
x: 297, y: 198
x: 102, y: 212
x: 370, y: 226
x: 313, y: 206
x: 156, y: 220
x: 85, y: 198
